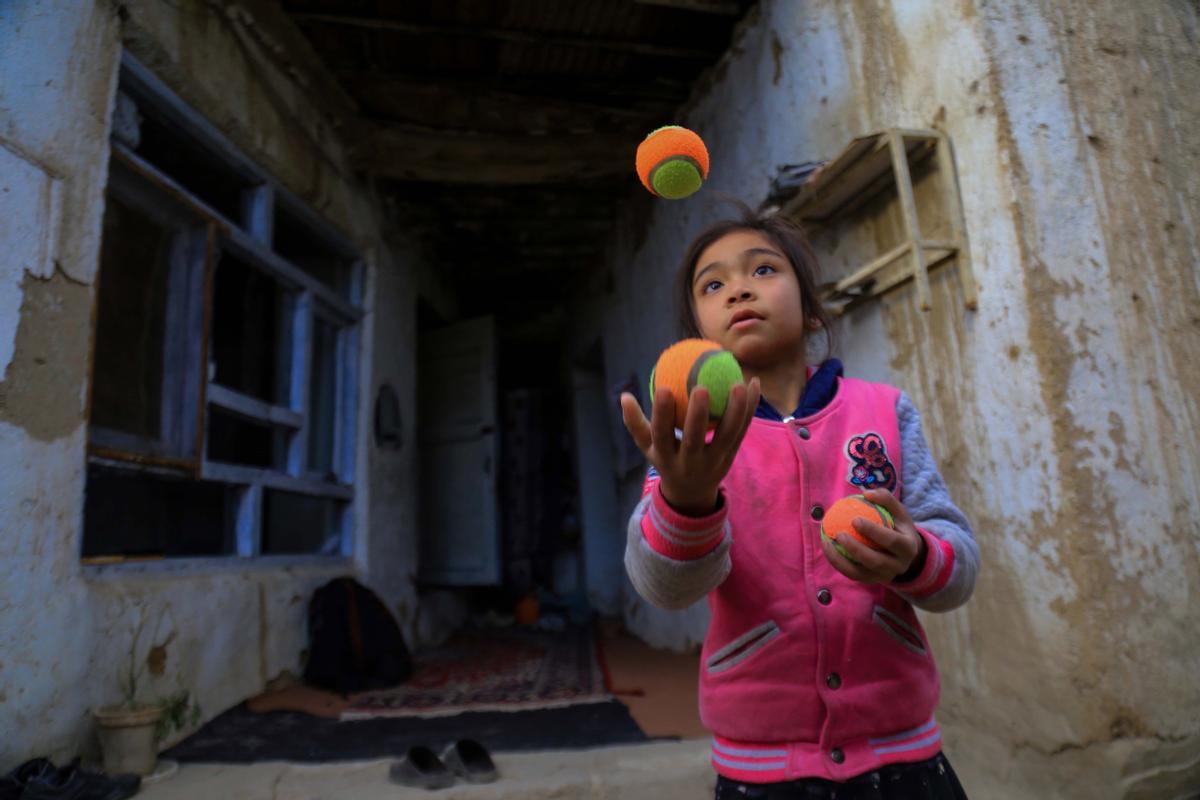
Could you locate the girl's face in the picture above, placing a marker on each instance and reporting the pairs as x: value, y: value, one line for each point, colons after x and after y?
x: 747, y: 299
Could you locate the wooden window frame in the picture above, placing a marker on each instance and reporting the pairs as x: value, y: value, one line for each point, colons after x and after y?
x: 190, y: 297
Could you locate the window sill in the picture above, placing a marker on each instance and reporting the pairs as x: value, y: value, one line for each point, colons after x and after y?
x: 217, y: 565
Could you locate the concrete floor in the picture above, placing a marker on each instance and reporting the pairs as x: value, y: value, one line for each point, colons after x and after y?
x: 653, y: 771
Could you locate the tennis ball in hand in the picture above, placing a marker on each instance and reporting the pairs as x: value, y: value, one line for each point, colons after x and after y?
x: 672, y: 162
x: 838, y: 517
x: 697, y: 362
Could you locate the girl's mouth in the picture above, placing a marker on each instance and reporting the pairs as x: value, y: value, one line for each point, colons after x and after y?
x: 744, y: 319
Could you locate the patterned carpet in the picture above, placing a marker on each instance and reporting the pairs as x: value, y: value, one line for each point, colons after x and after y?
x: 513, y: 669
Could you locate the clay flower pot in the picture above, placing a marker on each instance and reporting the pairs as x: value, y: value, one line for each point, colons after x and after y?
x: 127, y: 738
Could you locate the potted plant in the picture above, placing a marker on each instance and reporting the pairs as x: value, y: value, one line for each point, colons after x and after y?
x: 130, y: 731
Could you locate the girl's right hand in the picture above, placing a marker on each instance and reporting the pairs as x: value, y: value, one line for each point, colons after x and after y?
x: 690, y: 469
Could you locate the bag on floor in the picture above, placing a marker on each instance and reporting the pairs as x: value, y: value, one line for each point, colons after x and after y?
x: 354, y: 641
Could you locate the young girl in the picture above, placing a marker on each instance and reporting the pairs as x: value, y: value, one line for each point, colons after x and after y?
x: 816, y: 676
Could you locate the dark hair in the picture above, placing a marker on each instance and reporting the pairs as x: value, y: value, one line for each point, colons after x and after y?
x: 787, y: 236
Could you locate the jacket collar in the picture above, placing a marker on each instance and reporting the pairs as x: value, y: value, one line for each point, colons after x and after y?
x: 818, y: 392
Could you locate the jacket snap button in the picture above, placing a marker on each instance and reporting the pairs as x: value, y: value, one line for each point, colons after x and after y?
x: 824, y: 597
x: 833, y: 680
x: 837, y: 755
x: 803, y: 433
x: 818, y: 512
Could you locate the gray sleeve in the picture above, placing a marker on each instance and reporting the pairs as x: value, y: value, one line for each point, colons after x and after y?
x: 666, y: 582
x: 929, y: 503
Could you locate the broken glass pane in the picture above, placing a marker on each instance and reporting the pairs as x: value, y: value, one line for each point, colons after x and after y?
x: 135, y: 259
x: 247, y: 331
x: 322, y: 399
x: 298, y: 523
x: 133, y: 513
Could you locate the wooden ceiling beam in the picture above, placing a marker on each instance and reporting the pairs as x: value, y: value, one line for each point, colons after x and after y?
x: 533, y: 253
x: 552, y: 88
x: 529, y: 240
x: 507, y: 35
x: 430, y: 210
x: 722, y: 7
x: 389, y: 97
x: 502, y: 223
x: 414, y: 153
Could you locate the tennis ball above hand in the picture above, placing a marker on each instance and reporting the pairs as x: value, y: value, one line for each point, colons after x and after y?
x: 672, y: 162
x: 839, y: 516
x: 691, y: 363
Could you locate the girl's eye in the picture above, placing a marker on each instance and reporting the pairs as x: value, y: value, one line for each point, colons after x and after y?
x: 711, y: 287
x: 764, y: 269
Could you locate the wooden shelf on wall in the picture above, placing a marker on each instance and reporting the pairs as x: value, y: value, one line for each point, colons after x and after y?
x: 868, y: 166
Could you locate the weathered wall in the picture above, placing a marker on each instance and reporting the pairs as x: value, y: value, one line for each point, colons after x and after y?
x: 1063, y: 411
x: 65, y: 630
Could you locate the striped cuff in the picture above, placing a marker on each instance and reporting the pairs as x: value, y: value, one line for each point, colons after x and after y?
x: 918, y: 738
x: 754, y: 763
x: 939, y: 564
x: 775, y: 762
x: 681, y: 537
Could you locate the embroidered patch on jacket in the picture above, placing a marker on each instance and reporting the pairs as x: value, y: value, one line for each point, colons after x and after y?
x: 870, y: 467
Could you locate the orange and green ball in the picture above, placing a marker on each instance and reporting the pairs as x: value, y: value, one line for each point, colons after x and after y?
x: 839, y: 516
x: 672, y: 162
x: 691, y: 363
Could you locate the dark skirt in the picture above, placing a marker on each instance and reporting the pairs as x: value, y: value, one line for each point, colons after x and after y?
x: 924, y: 780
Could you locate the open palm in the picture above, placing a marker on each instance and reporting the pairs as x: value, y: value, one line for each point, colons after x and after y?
x: 690, y: 467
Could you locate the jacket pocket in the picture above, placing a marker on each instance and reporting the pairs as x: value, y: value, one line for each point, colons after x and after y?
x: 899, y: 630
x: 742, y: 648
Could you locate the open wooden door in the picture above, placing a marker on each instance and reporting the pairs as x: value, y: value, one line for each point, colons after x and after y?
x: 460, y: 534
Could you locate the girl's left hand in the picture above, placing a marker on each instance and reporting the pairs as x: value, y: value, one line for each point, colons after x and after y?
x: 900, y: 547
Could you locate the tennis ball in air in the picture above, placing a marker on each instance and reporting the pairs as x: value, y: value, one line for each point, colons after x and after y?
x: 672, y: 162
x: 697, y: 362
x: 838, y: 517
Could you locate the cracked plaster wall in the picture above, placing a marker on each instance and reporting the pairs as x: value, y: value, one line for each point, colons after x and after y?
x: 1064, y: 411
x: 64, y: 630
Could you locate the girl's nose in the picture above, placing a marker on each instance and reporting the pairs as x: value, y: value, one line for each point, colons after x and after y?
x: 738, y: 294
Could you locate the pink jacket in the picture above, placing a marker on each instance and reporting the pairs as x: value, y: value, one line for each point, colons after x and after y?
x: 806, y: 673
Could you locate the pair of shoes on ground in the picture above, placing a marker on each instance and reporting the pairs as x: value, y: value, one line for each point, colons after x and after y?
x: 466, y: 759
x: 39, y: 779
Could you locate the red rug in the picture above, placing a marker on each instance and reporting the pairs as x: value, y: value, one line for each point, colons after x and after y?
x: 512, y: 669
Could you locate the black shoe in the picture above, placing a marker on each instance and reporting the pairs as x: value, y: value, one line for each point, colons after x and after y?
x: 13, y: 784
x: 420, y: 766
x: 32, y: 768
x: 72, y: 782
x: 470, y: 760
x: 51, y: 786
x: 10, y: 788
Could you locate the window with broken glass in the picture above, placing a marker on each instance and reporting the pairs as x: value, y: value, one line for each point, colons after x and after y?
x: 221, y: 417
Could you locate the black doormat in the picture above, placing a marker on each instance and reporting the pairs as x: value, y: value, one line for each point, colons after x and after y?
x: 240, y: 736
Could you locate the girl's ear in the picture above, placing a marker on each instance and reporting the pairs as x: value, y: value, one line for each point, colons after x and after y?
x: 813, y: 324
